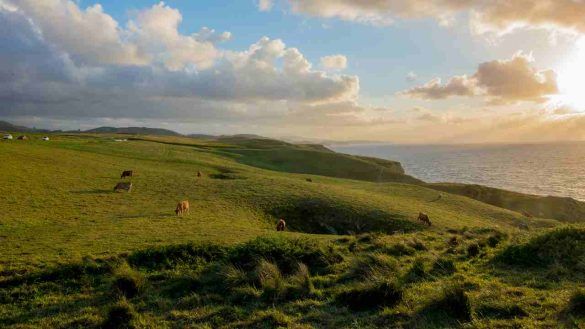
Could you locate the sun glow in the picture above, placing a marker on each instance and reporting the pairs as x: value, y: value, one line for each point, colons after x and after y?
x: 571, y: 78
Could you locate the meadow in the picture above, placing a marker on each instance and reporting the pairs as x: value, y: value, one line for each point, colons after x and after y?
x: 76, y: 254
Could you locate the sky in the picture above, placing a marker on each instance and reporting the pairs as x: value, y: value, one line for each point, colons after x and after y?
x: 412, y: 71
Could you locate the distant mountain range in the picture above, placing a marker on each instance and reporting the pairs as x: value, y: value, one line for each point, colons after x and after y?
x: 9, y: 127
x: 133, y: 131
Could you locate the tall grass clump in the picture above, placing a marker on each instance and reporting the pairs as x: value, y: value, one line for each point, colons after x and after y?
x: 165, y: 257
x: 372, y: 265
x: 127, y: 281
x: 454, y: 303
x: 576, y: 305
x: 120, y: 316
x: 286, y: 253
x: 563, y: 246
x: 371, y: 296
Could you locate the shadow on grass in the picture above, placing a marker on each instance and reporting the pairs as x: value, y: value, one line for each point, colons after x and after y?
x: 323, y: 216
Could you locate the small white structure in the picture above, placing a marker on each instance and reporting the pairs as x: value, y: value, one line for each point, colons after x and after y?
x: 7, y: 136
x: 45, y: 138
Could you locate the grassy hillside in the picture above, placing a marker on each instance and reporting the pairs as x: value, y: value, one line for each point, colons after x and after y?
x: 75, y: 254
x: 563, y: 209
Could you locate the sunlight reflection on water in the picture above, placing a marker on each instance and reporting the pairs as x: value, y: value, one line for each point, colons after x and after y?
x: 545, y: 169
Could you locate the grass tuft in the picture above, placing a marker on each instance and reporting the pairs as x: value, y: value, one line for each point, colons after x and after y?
x: 370, y: 296
x: 127, y: 281
x: 120, y: 316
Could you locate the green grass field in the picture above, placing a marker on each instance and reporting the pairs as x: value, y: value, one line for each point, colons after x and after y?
x: 75, y: 254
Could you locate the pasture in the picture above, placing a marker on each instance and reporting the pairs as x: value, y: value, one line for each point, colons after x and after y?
x: 74, y: 253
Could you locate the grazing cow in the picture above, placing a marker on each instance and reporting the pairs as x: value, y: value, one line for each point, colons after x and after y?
x: 126, y: 173
x: 281, y: 225
x: 310, y: 180
x: 122, y: 186
x: 424, y: 218
x: 182, y: 207
x: 199, y: 173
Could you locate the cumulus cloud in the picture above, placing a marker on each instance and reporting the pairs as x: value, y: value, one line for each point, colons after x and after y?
x: 172, y: 75
x: 499, y: 81
x: 486, y: 15
x: 334, y: 62
x: 435, y: 89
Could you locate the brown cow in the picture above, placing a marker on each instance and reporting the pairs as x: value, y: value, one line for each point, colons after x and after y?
x: 182, y: 207
x: 424, y: 218
x: 310, y: 180
x: 199, y: 173
x: 123, y: 186
x: 126, y: 173
x: 281, y: 225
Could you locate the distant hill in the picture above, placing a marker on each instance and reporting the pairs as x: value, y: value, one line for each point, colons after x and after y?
x: 133, y: 131
x: 7, y: 126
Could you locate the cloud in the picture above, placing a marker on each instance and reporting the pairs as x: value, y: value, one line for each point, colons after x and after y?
x: 90, y: 35
x: 434, y: 89
x: 411, y: 76
x: 499, y: 82
x: 179, y: 76
x: 486, y: 15
x: 512, y: 80
x: 334, y: 62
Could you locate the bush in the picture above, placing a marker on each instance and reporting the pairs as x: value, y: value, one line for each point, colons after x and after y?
x: 127, y: 281
x: 120, y: 316
x: 366, y: 297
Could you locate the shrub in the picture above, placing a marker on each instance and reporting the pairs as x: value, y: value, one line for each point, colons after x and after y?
x: 127, y: 281
x: 120, y: 316
x: 370, y: 296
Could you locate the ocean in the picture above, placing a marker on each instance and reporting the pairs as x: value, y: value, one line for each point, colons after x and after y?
x: 545, y: 169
